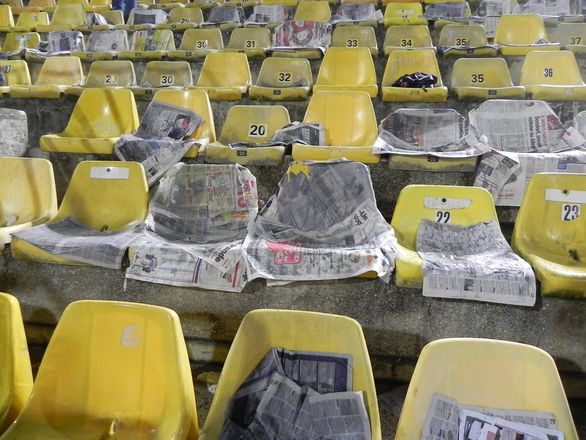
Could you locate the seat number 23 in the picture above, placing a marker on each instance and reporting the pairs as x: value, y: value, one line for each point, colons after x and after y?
x: 570, y: 212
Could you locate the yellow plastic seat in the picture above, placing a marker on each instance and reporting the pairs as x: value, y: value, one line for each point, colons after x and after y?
x: 103, y: 45
x: 283, y: 79
x: 520, y: 34
x: 571, y: 36
x: 462, y: 11
x: 465, y: 40
x: 433, y: 202
x: 350, y: 127
x: 249, y: 123
x: 404, y: 14
x: 218, y: 17
x: 484, y: 373
x: 16, y: 41
x: 262, y: 330
x: 253, y: 41
x: 99, y: 118
x: 355, y: 36
x: 127, y: 373
x: 107, y: 75
x: 36, y: 6
x: 136, y: 22
x: 114, y: 17
x: 149, y: 45
x: 57, y: 74
x: 552, y: 76
x: 279, y: 2
x: 16, y: 377
x: 27, y: 191
x: 483, y: 78
x: 550, y: 233
x: 181, y: 19
x: 28, y: 21
x: 14, y: 73
x: 347, y: 69
x: 225, y: 76
x: 407, y: 37
x: 203, y: 4
x: 100, y: 6
x: 198, y: 102
x: 313, y: 10
x: 197, y: 43
x: 102, y: 195
x: 168, y: 4
x: 6, y: 18
x: 167, y: 74
x: 65, y: 18
x: 405, y: 62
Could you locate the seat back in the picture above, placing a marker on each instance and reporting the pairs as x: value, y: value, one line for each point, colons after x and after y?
x: 570, y: 34
x: 224, y: 70
x: 550, y: 68
x: 250, y: 38
x: 84, y: 3
x: 6, y: 18
x: 15, y: 72
x: 253, y: 123
x: 404, y: 62
x: 196, y: 101
x: 16, y: 378
x: 167, y: 74
x: 481, y: 72
x: 347, y: 66
x: 41, y: 3
x: 348, y: 118
x: 285, y: 72
x: 32, y: 19
x: 113, y: 16
x: 117, y: 369
x: 65, y: 71
x: 408, y: 37
x: 107, y: 41
x: 27, y: 192
x: 185, y: 15
x: 16, y: 41
x: 487, y: 373
x: 552, y: 217
x: 261, y: 330
x: 200, y: 39
x: 520, y: 29
x: 103, y: 113
x: 117, y: 73
x: 458, y: 205
x: 107, y: 196
x: 459, y: 35
x: 68, y: 15
x: 403, y: 13
x: 313, y: 10
x: 354, y: 36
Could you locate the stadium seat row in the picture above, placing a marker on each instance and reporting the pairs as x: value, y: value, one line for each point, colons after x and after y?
x: 127, y: 374
x: 549, y: 231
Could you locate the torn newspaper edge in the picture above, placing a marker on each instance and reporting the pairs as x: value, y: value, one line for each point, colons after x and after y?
x: 545, y: 8
x: 322, y: 224
x: 357, y: 14
x: 473, y: 262
x: 74, y: 241
x: 264, y: 15
x: 523, y: 126
x: 295, y: 35
x: 425, y: 131
x: 295, y: 132
x: 197, y: 221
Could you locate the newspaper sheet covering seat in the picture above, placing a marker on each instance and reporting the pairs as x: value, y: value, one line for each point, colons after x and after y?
x: 413, y: 135
x: 506, y: 377
x: 16, y: 377
x: 104, y: 45
x: 362, y: 14
x: 102, y: 212
x: 28, y: 21
x: 181, y: 19
x: 283, y: 79
x: 483, y: 78
x: 16, y: 43
x: 246, y: 134
x: 355, y: 36
x: 163, y: 74
x: 465, y: 40
x: 113, y: 18
x: 61, y: 43
x: 13, y: 73
x: 517, y: 35
x: 168, y: 5
x: 270, y: 16
x: 302, y: 39
x: 526, y: 138
x: 65, y: 18
x: 254, y: 42
x: 225, y: 76
x: 550, y: 232
x: 261, y: 330
x: 571, y: 36
x: 197, y: 43
x: 404, y: 14
x: 27, y: 191
x: 407, y: 37
x: 107, y: 75
x: 444, y: 13
x: 554, y: 9
x: 197, y: 222
x: 322, y: 224
x: 149, y: 45
x: 142, y: 19
x: 225, y: 17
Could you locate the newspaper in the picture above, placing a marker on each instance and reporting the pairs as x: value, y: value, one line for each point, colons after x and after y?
x: 322, y: 224
x: 197, y: 220
x: 266, y: 14
x: 447, y: 11
x: 153, y: 40
x: 296, y: 132
x: 74, y: 241
x: 441, y: 422
x: 478, y: 426
x: 107, y: 41
x: 93, y: 18
x: 425, y: 131
x: 546, y: 8
x: 495, y: 8
x: 151, y: 17
x: 292, y: 35
x: 523, y: 126
x: 494, y: 170
x: 473, y: 262
x: 356, y: 13
x: 580, y: 123
x: 226, y: 14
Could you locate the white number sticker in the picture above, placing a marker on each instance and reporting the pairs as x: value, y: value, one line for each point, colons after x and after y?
x: 443, y: 216
x: 167, y: 80
x: 257, y: 130
x: 284, y: 77
x: 570, y: 212
x: 111, y: 79
x: 201, y: 44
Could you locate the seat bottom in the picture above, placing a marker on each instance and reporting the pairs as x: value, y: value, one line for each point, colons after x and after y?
x: 359, y: 153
